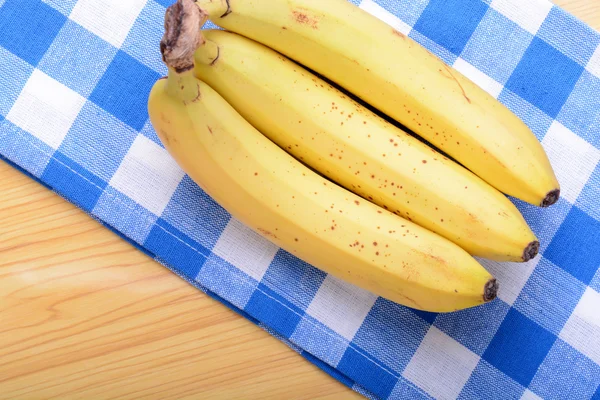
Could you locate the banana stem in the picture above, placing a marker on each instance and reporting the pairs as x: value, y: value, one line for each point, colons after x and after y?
x: 183, y: 85
x: 182, y: 37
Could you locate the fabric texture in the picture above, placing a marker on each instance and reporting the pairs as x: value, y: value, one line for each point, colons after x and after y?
x: 74, y: 81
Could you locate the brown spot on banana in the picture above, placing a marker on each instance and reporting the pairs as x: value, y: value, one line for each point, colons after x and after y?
x: 195, y: 99
x: 228, y: 11
x: 439, y: 259
x: 267, y: 233
x: 212, y: 63
x: 398, y: 33
x: 449, y: 70
x: 303, y: 18
x: 164, y: 136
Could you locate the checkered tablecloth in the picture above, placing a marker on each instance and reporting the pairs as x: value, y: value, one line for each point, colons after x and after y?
x: 74, y: 81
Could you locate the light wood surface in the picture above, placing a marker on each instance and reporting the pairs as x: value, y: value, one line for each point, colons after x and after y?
x: 85, y: 315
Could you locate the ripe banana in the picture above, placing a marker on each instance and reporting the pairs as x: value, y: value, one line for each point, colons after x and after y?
x: 354, y: 147
x: 402, y: 79
x: 283, y: 200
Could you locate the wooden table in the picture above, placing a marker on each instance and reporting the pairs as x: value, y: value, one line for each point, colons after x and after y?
x: 84, y: 314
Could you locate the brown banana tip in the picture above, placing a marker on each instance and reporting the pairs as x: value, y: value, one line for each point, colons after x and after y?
x: 531, y: 250
x: 490, y: 290
x: 551, y: 198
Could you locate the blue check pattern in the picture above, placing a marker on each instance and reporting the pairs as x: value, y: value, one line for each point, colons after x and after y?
x: 74, y: 80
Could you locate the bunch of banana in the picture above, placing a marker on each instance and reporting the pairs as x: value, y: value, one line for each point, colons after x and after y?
x: 402, y: 79
x: 330, y: 181
x: 319, y: 221
x: 355, y: 148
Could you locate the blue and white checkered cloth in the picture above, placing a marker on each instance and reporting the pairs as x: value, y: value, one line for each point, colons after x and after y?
x: 74, y: 80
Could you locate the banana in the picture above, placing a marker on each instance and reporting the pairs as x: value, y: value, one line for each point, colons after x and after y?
x: 402, y: 79
x: 284, y: 201
x: 352, y: 146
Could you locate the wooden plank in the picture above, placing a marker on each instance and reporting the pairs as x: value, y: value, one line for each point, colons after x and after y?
x: 87, y: 315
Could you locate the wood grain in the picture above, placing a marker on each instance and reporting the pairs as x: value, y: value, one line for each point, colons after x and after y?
x: 85, y: 315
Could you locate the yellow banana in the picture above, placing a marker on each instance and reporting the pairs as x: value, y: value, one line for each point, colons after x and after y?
x: 402, y: 79
x: 354, y: 147
x: 283, y: 200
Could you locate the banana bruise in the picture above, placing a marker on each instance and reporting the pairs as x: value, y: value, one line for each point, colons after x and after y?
x: 295, y: 208
x: 357, y: 149
x: 402, y: 79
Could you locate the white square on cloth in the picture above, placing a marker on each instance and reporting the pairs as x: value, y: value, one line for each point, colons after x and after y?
x: 513, y: 276
x: 441, y: 366
x: 478, y: 77
x: 573, y: 159
x: 582, y: 330
x: 46, y: 108
x: 111, y: 20
x: 529, y: 395
x: 593, y: 64
x: 245, y: 249
x: 341, y: 306
x: 377, y: 11
x: 529, y: 14
x: 148, y: 175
